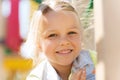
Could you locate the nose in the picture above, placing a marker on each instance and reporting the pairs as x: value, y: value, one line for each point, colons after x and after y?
x: 64, y: 41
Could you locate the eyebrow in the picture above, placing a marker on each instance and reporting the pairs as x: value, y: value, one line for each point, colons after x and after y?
x: 48, y: 31
x: 74, y: 27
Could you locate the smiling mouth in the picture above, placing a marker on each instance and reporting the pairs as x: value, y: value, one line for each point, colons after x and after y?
x: 66, y: 51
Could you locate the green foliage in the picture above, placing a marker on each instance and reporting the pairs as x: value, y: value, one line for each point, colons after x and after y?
x: 7, y: 51
x: 90, y: 6
x: 38, y: 1
x: 87, y: 16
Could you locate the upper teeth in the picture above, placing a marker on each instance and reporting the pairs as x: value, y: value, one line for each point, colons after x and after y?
x: 64, y: 51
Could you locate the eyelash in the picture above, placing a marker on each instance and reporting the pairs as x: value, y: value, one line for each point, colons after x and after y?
x: 52, y: 35
x: 72, y: 32
x: 55, y: 35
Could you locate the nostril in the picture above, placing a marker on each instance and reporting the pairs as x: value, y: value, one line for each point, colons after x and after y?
x: 64, y: 43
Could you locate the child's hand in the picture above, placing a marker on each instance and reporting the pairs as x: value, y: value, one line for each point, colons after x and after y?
x: 79, y: 75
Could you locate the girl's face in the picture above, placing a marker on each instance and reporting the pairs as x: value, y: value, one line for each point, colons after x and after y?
x: 61, y: 37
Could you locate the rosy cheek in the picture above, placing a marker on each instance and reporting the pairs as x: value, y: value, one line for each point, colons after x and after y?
x: 78, y: 43
x: 49, y: 44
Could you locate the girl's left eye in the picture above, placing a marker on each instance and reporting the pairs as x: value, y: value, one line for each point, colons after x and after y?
x: 72, y: 32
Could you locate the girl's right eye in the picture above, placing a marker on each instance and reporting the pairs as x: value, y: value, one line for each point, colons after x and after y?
x: 52, y: 35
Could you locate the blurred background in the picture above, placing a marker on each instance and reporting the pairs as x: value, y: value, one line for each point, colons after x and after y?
x: 15, y: 16
x: 101, y: 33
x: 14, y: 23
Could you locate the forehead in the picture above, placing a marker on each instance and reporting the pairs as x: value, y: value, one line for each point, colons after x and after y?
x: 56, y: 18
x: 61, y: 14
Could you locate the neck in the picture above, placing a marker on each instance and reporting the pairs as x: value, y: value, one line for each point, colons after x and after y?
x: 63, y: 70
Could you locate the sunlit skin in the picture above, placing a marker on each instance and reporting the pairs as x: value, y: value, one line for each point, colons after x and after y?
x: 61, y: 40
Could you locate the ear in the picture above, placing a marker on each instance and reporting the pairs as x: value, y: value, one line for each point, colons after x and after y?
x: 38, y: 50
x: 39, y: 47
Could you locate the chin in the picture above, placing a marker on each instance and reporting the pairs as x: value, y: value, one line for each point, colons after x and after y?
x: 65, y: 63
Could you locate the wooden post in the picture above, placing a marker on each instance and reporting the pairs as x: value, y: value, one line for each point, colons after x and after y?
x: 107, y: 39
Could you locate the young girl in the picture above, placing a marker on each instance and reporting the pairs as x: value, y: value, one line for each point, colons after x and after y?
x: 56, y: 32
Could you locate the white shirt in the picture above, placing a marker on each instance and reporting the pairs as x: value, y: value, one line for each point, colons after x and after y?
x: 45, y: 71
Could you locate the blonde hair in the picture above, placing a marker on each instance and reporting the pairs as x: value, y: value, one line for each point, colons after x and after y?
x: 32, y: 42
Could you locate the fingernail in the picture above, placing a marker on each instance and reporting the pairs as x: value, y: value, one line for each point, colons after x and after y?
x: 83, y: 71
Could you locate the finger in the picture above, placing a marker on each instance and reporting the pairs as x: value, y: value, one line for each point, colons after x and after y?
x: 78, y: 75
x: 93, y: 72
x: 83, y: 75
